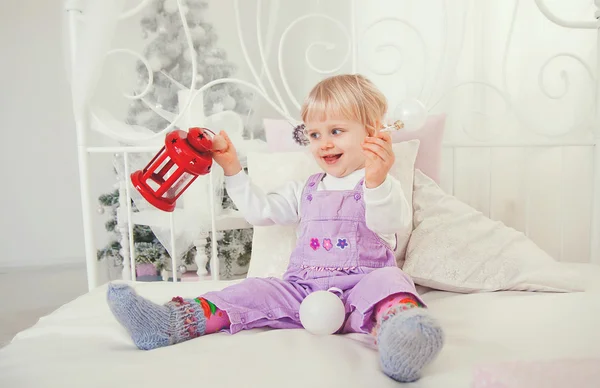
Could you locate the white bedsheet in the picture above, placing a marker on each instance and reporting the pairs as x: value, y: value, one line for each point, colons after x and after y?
x: 81, y: 345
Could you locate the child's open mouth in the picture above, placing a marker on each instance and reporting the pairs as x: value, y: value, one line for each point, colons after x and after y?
x: 331, y: 159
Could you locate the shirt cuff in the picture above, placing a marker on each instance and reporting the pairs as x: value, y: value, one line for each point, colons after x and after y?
x: 379, y: 193
x: 238, y: 180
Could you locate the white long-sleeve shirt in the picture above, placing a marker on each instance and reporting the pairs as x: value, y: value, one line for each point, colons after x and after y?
x: 387, y: 210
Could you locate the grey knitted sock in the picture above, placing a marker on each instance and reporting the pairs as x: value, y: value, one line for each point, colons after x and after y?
x: 408, y: 340
x: 151, y: 325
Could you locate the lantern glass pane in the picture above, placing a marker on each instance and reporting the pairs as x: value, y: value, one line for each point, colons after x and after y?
x: 181, y: 183
x: 160, y: 179
x: 153, y: 185
x: 170, y: 171
x: 159, y: 157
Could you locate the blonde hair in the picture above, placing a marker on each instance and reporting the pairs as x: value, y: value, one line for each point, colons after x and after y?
x: 349, y: 96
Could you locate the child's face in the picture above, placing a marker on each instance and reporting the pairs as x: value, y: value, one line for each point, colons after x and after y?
x: 336, y: 144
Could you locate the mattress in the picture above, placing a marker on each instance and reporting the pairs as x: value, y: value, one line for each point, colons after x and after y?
x: 527, y: 339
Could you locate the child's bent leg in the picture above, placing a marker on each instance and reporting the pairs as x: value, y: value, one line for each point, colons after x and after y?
x: 407, y: 336
x: 387, y: 305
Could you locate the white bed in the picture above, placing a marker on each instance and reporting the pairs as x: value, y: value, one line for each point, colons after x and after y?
x: 499, y: 339
x: 81, y: 345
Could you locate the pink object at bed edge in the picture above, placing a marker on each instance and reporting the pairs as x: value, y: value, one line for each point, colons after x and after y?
x: 582, y: 373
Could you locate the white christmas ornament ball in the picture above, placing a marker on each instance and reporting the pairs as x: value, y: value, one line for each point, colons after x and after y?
x: 322, y: 313
x: 187, y: 55
x: 217, y: 107
x: 412, y: 113
x: 212, y: 60
x: 170, y: 6
x: 198, y: 32
x: 155, y: 63
x: 229, y: 103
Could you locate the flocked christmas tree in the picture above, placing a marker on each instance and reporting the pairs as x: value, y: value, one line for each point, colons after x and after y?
x: 170, y: 59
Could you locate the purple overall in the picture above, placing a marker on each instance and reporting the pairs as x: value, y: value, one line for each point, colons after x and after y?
x: 335, y: 248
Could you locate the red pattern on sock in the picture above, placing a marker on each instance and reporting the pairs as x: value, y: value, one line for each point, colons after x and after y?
x: 404, y: 298
x: 391, y: 305
x: 216, y: 319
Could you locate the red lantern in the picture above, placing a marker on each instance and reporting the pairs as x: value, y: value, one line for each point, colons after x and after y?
x: 185, y: 156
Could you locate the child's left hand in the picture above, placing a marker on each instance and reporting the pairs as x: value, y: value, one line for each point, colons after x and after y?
x: 379, y: 158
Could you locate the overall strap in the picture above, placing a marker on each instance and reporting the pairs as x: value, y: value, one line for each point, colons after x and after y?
x: 358, y: 186
x: 313, y: 182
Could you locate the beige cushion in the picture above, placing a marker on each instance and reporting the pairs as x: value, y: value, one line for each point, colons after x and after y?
x: 453, y: 247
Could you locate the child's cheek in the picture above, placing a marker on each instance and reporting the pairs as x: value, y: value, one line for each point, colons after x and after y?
x: 314, y: 150
x: 353, y: 145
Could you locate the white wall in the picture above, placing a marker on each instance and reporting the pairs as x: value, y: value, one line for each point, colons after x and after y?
x: 41, y: 214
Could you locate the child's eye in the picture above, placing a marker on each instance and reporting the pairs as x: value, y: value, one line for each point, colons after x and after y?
x: 336, y: 131
x: 313, y: 135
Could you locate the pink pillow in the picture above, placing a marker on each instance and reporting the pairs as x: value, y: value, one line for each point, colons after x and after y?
x: 279, y: 136
x: 429, y: 158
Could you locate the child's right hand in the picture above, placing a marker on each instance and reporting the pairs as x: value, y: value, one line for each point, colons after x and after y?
x: 225, y: 155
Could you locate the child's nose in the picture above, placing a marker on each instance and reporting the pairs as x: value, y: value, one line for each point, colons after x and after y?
x: 326, y: 144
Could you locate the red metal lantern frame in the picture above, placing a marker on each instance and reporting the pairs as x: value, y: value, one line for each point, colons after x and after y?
x: 184, y: 157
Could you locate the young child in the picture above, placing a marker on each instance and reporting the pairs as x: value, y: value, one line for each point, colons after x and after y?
x: 347, y: 218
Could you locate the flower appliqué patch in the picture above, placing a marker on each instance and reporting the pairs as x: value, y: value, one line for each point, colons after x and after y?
x: 342, y: 243
x: 314, y: 243
x: 327, y: 244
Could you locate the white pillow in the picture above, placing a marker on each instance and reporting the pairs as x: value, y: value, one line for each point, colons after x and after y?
x: 273, y: 245
x: 455, y: 248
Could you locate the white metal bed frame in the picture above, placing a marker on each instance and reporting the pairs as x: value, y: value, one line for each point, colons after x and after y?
x: 74, y: 9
